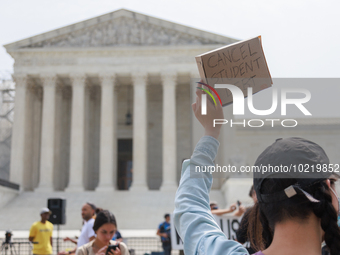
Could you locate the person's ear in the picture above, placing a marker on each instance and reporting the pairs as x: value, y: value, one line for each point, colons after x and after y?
x: 328, y: 182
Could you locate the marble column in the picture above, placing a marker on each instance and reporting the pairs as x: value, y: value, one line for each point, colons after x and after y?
x: 47, y: 147
x: 139, y: 123
x: 108, y: 136
x: 169, y: 132
x: 18, y: 132
x: 77, y: 151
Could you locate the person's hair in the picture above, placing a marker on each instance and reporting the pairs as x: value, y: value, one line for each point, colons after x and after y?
x: 92, y: 206
x: 251, y: 191
x: 264, y: 216
x: 166, y: 215
x: 102, y: 218
x: 98, y: 210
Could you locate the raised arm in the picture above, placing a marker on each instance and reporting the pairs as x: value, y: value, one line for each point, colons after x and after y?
x: 192, y: 216
x: 71, y: 240
x: 220, y: 212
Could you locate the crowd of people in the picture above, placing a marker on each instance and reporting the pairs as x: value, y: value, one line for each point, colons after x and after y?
x: 99, y: 229
x: 99, y: 234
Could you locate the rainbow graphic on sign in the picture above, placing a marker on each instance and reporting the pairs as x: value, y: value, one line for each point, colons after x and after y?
x: 209, y: 93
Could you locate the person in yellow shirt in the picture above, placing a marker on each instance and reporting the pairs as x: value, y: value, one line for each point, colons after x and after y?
x: 41, y: 234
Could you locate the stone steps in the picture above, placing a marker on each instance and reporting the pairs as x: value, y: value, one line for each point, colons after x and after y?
x: 135, y: 210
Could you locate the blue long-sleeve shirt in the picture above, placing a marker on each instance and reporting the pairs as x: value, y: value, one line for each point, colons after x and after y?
x: 192, y: 216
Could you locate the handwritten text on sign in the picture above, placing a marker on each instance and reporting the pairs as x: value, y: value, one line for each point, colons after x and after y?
x: 242, y: 64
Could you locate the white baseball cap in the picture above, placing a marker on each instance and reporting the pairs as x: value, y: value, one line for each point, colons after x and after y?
x: 45, y: 210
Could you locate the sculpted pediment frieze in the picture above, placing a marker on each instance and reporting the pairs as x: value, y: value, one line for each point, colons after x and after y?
x: 123, y: 31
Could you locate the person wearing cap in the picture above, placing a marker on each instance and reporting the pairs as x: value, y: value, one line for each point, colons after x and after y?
x: 87, y: 234
x: 41, y: 234
x: 293, y: 215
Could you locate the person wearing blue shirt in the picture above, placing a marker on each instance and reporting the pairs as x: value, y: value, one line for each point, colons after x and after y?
x: 117, y: 237
x: 165, y: 234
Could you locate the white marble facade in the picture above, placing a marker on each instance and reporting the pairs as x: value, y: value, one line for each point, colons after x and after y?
x: 74, y: 87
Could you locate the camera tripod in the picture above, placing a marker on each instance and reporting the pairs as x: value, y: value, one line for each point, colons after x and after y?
x: 8, y: 248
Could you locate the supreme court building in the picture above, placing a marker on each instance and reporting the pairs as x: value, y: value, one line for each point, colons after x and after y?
x: 103, y: 114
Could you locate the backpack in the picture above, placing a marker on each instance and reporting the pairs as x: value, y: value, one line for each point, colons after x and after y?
x: 167, y: 231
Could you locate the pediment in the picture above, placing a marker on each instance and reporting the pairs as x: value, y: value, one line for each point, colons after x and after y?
x: 121, y: 28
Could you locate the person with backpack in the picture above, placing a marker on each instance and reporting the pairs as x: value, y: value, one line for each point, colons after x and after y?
x: 164, y: 232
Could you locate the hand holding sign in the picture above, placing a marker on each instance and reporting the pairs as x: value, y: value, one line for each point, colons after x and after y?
x: 213, y: 112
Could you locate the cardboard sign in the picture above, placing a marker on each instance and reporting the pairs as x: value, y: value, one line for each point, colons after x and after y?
x: 228, y: 224
x: 242, y: 64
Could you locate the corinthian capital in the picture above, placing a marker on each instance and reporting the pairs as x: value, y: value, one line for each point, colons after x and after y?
x: 78, y: 79
x: 48, y: 80
x: 169, y: 78
x: 107, y: 79
x: 139, y: 78
x: 20, y: 80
